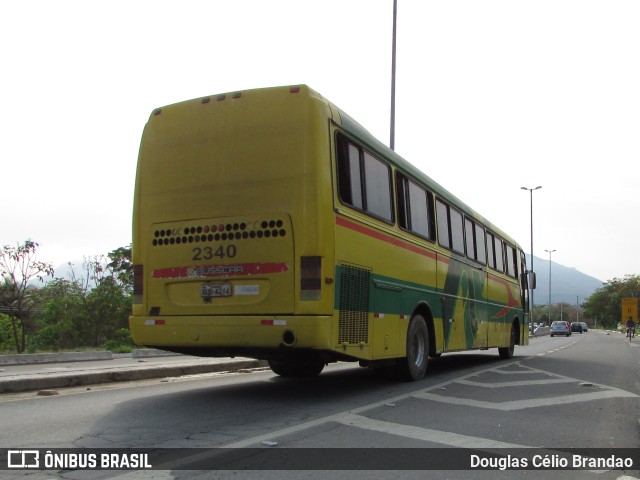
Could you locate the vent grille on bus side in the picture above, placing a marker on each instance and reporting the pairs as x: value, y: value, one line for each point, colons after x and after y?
x: 353, y: 324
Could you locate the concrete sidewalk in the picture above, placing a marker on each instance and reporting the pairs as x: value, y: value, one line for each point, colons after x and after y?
x: 52, y: 371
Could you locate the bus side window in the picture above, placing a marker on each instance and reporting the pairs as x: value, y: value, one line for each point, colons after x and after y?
x: 378, y: 187
x: 421, y: 210
x: 470, y: 243
x: 349, y: 175
x: 499, y: 253
x: 450, y: 227
x: 491, y: 254
x: 475, y: 238
x: 364, y: 182
x: 511, y: 260
x: 415, y: 208
x: 524, y: 282
x: 481, y: 248
x: 457, y: 232
x: 402, y: 202
x: 444, y: 238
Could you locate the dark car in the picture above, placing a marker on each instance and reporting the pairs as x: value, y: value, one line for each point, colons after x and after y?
x: 577, y: 327
x: 560, y: 328
x: 585, y: 328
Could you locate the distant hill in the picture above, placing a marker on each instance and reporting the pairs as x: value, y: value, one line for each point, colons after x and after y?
x: 566, y: 283
x: 65, y: 270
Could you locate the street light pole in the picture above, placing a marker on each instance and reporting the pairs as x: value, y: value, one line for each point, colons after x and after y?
x: 532, y: 307
x: 550, y: 252
x: 392, y: 127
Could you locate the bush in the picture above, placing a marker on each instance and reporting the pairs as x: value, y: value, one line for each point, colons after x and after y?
x: 121, y: 342
x: 7, y: 341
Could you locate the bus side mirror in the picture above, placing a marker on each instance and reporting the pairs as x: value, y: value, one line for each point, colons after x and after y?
x: 532, y: 280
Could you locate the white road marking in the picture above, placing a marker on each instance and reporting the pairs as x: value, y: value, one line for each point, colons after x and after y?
x: 529, y: 403
x: 522, y: 383
x: 524, y: 371
x: 604, y: 393
x: 424, y: 434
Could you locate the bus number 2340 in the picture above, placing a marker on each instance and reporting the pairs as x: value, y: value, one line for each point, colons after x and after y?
x: 207, y: 253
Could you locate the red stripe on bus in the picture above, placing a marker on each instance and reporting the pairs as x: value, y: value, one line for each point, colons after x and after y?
x: 512, y: 301
x: 385, y: 238
x: 209, y: 271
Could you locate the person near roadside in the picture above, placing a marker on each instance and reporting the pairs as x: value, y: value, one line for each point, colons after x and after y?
x: 631, y: 327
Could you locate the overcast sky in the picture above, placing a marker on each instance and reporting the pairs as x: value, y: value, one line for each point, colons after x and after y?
x: 491, y: 96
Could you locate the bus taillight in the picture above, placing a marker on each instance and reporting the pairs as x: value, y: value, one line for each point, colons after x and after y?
x: 310, y: 274
x: 138, y: 282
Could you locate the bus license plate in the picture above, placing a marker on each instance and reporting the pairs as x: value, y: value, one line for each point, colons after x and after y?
x: 210, y: 290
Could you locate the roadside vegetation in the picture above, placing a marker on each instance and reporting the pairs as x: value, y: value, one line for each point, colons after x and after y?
x: 605, y: 304
x: 88, y: 310
x: 603, y: 309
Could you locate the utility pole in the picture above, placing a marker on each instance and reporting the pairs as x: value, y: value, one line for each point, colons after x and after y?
x: 532, y: 304
x: 392, y: 128
x: 550, y: 252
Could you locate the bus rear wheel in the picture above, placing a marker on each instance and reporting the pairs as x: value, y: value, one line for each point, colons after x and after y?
x: 297, y: 367
x: 414, y: 365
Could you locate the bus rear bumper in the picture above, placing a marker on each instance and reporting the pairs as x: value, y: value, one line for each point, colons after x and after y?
x: 221, y: 336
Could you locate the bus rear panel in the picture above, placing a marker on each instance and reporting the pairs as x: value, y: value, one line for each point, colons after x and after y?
x: 229, y: 229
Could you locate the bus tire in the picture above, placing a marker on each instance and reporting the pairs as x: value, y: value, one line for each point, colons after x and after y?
x: 298, y: 368
x: 414, y: 365
x: 507, y: 352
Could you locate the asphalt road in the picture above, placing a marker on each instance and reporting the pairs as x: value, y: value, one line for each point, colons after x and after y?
x: 576, y: 392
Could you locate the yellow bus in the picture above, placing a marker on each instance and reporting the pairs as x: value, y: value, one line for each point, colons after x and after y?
x: 269, y: 224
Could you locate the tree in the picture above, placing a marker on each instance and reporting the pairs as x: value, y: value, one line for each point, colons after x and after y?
x: 90, y: 309
x: 122, y: 267
x: 605, y: 304
x: 6, y: 333
x: 18, y: 267
x: 61, y: 316
x: 108, y: 304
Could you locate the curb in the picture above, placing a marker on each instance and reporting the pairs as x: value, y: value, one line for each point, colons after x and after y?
x: 37, y: 358
x: 27, y: 359
x: 26, y: 383
x: 153, y: 352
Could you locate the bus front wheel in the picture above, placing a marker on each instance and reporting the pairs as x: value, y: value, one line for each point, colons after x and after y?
x: 414, y: 365
x: 507, y: 352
